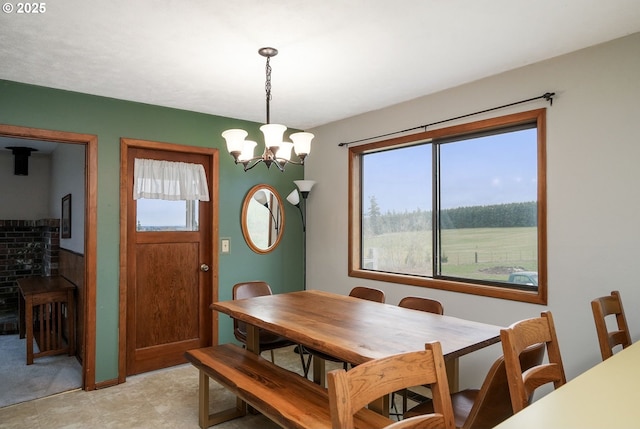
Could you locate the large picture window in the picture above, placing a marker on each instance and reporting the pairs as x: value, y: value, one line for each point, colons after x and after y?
x: 459, y: 208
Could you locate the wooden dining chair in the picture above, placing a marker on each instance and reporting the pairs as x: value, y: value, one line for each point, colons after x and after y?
x: 370, y: 294
x: 491, y: 404
x: 350, y: 391
x: 268, y: 340
x: 362, y: 292
x: 421, y: 304
x: 610, y: 305
x: 515, y: 339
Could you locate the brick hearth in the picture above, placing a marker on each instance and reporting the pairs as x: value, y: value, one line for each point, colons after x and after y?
x: 27, y: 248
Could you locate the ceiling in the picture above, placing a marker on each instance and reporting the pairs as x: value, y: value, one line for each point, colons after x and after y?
x: 337, y: 58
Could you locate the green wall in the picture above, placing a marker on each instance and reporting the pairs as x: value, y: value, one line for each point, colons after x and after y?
x: 111, y: 119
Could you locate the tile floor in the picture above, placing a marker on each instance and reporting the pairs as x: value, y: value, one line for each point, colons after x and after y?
x: 166, y: 398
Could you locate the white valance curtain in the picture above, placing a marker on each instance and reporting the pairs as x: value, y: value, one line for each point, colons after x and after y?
x: 167, y: 180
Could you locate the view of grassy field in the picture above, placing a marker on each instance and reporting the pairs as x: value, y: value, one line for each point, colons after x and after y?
x: 475, y: 253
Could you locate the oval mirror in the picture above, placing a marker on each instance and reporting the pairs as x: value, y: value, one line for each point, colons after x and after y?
x: 262, y: 218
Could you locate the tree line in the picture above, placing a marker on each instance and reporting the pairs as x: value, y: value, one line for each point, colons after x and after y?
x: 490, y: 216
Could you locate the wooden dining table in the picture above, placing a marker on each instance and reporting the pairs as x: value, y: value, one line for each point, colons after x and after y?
x: 356, y: 330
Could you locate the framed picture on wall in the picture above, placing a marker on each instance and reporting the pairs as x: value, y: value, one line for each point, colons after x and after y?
x: 65, y: 221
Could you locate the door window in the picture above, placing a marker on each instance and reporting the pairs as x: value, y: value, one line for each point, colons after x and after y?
x: 164, y: 215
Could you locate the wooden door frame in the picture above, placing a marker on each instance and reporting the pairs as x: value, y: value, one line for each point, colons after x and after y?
x: 90, y: 142
x: 125, y: 145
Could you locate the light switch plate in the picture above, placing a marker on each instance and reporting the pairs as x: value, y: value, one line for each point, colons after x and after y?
x: 225, y: 245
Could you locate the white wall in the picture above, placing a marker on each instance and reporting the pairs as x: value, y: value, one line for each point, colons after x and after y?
x: 39, y: 194
x: 593, y: 151
x: 24, y: 197
x: 68, y: 173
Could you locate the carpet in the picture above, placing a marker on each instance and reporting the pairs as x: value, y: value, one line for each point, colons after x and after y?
x: 47, y: 375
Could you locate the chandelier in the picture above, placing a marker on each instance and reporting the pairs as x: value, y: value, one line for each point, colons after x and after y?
x: 276, y: 150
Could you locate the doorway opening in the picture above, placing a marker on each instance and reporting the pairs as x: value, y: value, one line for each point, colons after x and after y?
x: 79, y: 262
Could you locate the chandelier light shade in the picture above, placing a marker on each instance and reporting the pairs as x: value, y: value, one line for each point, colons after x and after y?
x: 247, y: 150
x: 276, y: 150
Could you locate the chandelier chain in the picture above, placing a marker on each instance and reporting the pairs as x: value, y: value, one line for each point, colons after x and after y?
x: 267, y: 86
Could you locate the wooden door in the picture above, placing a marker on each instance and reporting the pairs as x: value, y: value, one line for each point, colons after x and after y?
x: 169, y: 275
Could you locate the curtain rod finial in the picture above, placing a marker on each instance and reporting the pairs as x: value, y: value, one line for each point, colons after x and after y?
x: 549, y: 97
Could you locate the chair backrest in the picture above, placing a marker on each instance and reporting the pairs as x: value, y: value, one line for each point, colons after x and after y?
x: 367, y: 293
x: 609, y: 340
x: 350, y: 391
x: 515, y: 339
x: 247, y: 290
x: 250, y: 289
x: 422, y: 304
x: 492, y: 405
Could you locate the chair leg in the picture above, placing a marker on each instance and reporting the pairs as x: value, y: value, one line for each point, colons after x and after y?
x: 394, y: 407
x: 306, y: 366
x: 273, y: 359
x: 404, y: 401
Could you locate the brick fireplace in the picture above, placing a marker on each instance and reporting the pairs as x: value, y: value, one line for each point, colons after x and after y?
x: 27, y: 248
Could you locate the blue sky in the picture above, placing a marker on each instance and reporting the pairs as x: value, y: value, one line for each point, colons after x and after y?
x: 482, y: 171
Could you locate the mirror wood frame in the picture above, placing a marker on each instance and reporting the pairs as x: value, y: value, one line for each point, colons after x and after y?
x: 244, y: 218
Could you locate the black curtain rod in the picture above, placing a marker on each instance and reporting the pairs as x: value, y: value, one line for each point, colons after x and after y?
x: 547, y: 96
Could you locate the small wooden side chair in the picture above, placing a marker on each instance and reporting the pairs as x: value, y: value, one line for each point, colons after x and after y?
x: 609, y: 340
x: 350, y: 391
x: 515, y: 339
x: 491, y: 404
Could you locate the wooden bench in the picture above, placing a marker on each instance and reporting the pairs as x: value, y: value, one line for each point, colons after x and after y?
x: 283, y: 396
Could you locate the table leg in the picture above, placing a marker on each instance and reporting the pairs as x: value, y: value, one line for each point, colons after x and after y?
x: 453, y: 375
x: 253, y: 339
x: 28, y: 317
x: 381, y: 406
x: 71, y: 319
x: 253, y: 345
x: 318, y: 371
x: 21, y: 313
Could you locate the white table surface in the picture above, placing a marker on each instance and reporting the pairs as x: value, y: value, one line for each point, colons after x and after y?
x: 605, y: 396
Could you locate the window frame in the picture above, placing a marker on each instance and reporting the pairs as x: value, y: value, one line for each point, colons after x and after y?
x: 355, y: 209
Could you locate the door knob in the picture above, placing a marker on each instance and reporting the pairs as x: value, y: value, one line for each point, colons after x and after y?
x: 204, y: 268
